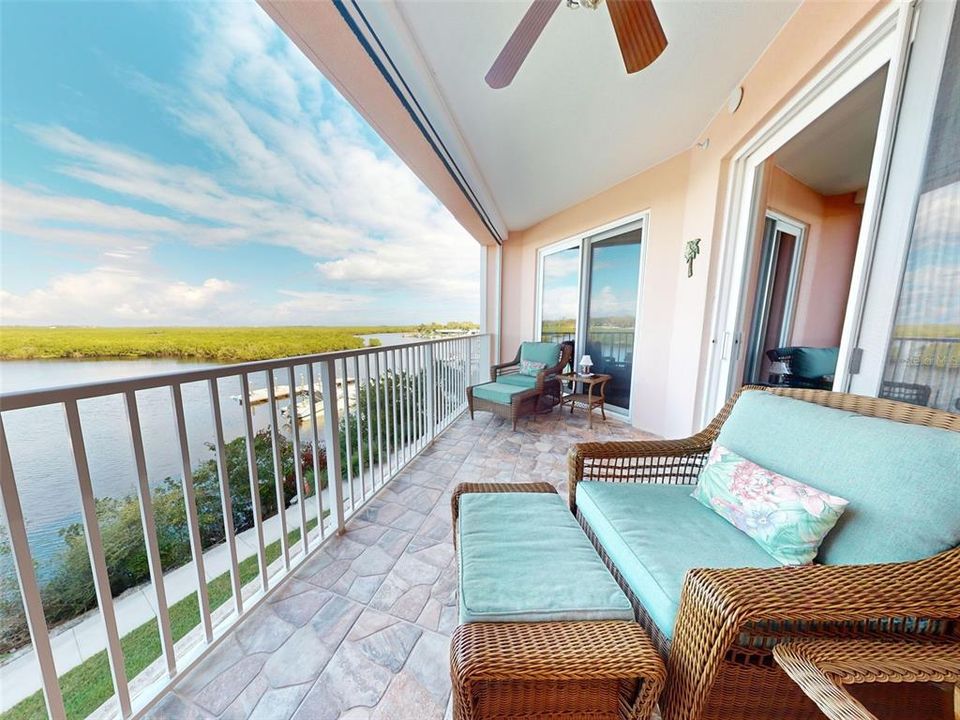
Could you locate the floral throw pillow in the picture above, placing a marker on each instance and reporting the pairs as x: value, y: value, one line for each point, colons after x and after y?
x: 531, y: 367
x: 785, y: 517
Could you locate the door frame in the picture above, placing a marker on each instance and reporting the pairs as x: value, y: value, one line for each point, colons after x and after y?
x: 884, y: 41
x: 582, y: 240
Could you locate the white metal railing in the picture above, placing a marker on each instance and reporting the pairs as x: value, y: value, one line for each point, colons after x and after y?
x: 393, y: 402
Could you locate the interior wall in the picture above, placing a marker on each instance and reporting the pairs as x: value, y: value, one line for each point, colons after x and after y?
x: 833, y: 224
x: 828, y: 270
x: 685, y: 197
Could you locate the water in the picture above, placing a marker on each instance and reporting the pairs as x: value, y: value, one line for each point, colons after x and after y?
x: 40, y: 447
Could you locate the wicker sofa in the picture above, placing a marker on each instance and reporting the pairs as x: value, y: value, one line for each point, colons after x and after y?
x: 512, y: 394
x: 717, y: 606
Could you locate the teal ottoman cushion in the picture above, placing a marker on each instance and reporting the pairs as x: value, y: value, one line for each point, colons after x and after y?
x: 544, y: 352
x: 524, y: 558
x: 902, y: 481
x: 497, y: 392
x: 654, y: 534
x: 812, y: 362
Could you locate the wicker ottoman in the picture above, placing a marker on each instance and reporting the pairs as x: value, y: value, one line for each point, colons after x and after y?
x: 545, y: 631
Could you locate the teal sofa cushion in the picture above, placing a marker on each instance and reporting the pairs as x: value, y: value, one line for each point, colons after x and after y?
x: 518, y: 380
x: 654, y: 534
x: 524, y: 558
x: 813, y: 362
x: 902, y: 481
x: 497, y: 392
x: 547, y: 353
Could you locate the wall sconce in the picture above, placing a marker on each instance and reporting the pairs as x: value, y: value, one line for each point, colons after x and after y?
x: 690, y: 252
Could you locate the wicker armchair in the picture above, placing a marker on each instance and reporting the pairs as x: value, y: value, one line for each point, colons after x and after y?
x: 720, y: 663
x: 526, y: 402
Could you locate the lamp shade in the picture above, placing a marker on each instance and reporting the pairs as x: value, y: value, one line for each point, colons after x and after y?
x: 586, y: 360
x: 778, y: 367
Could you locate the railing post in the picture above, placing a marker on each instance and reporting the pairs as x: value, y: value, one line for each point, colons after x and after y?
x: 331, y: 439
x: 148, y: 522
x: 431, y: 395
x: 29, y: 590
x: 98, y: 561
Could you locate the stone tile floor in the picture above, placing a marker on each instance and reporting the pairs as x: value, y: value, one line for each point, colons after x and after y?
x: 361, y: 630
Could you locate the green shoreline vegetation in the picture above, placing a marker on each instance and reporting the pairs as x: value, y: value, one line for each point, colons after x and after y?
x: 215, y: 344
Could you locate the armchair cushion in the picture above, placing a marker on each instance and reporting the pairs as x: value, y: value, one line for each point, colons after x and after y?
x: 498, y: 392
x: 516, y: 379
x: 542, y: 352
x: 814, y: 362
x: 524, y: 558
x: 901, y: 480
x: 654, y: 534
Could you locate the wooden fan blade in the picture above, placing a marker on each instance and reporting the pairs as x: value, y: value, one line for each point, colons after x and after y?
x: 510, y: 59
x: 639, y: 32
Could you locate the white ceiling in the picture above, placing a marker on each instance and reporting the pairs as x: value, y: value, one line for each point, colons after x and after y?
x: 573, y: 123
x: 833, y: 154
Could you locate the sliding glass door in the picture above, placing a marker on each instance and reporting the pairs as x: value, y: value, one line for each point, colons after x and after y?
x: 908, y: 344
x: 588, y: 292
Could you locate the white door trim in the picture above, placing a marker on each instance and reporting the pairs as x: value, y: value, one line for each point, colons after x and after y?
x: 884, y: 40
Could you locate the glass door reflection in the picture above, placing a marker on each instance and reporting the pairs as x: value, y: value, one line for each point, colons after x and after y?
x: 559, y: 294
x: 613, y: 283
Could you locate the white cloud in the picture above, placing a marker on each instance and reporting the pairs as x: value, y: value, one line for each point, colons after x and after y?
x: 607, y: 303
x: 295, y: 168
x: 113, y: 295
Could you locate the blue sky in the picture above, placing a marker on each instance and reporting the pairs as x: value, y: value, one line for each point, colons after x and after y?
x: 183, y: 163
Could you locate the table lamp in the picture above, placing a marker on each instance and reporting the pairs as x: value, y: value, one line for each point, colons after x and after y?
x: 778, y: 368
x: 586, y: 363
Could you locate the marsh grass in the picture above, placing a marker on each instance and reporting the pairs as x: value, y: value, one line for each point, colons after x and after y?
x: 215, y: 344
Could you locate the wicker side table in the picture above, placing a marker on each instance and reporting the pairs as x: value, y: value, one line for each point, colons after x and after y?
x: 593, y: 395
x: 821, y: 668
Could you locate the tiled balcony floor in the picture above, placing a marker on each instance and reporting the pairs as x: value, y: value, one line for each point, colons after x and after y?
x: 362, y: 628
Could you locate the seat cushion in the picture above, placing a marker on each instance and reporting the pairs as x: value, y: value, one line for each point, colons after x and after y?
x: 547, y: 353
x: 524, y: 558
x: 518, y: 380
x: 497, y: 392
x: 902, y: 481
x: 654, y: 534
x: 814, y: 362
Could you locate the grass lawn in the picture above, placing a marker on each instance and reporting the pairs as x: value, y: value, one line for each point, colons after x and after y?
x: 89, y: 685
x: 219, y: 344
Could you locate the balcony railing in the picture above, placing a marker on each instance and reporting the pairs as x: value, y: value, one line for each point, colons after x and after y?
x: 391, y: 402
x: 924, y: 371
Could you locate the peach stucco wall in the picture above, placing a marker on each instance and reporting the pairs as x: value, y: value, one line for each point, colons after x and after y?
x: 828, y: 268
x: 685, y: 198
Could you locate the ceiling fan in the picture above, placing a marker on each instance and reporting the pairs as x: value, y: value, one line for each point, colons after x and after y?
x: 635, y: 22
